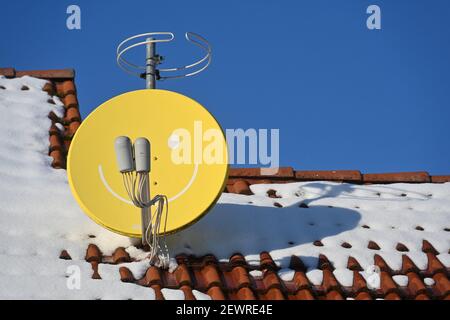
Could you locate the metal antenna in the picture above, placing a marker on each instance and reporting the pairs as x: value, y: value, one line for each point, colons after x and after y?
x: 150, y: 76
x: 149, y: 71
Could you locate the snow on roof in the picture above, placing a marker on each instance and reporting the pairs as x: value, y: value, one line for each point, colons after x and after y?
x: 38, y: 216
x: 310, y: 220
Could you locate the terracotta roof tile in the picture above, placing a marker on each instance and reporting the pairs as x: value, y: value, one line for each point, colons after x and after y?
x: 440, y: 179
x: 231, y: 280
x: 120, y: 256
x: 126, y: 275
x: 408, y: 177
x: 330, y: 175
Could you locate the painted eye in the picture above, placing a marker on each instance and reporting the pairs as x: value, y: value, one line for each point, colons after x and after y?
x: 174, y: 141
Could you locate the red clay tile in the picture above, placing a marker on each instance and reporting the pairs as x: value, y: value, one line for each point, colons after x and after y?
x: 70, y: 101
x: 301, y: 280
x: 242, y: 187
x: 359, y: 283
x: 209, y: 259
x: 334, y: 295
x: 126, y: 275
x: 329, y: 281
x: 266, y: 261
x: 73, y: 127
x: 245, y: 293
x: 158, y: 294
x: 66, y: 143
x: 240, y: 277
x: 401, y: 247
x: 270, y: 280
x: 52, y: 116
x: 440, y: 179
x: 324, y: 263
x: 387, y: 284
x: 8, y: 72
x: 272, y: 194
x: 318, y: 243
x: 346, y: 245
x: 53, y: 130
x: 48, y: 74
x: 152, y: 277
x: 379, y: 261
x: 303, y: 294
x: 272, y: 294
x: 283, y: 172
x: 237, y: 259
x: 392, y: 296
x: 363, y: 295
x: 72, y: 114
x: 216, y: 293
x: 434, y: 265
x: 329, y: 175
x: 373, y: 245
x: 415, y: 284
x: 353, y: 264
x: 65, y: 87
x: 120, y: 256
x: 210, y: 276
x: 442, y: 284
x: 408, y: 265
x: 182, y: 275
x: 428, y: 248
x: 297, y: 264
x: 93, y: 253
x: 404, y: 177
x: 188, y: 295
x: 55, y: 143
x: 65, y: 255
x: 95, y: 274
x: 49, y: 88
x: 422, y: 296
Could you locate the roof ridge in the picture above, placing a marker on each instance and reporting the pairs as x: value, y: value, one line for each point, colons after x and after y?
x: 43, y: 74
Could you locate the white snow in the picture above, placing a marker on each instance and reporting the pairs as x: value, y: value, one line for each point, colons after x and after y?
x: 39, y: 218
x: 256, y: 273
x: 286, y: 274
x: 401, y: 280
x: 315, y: 276
x: 200, y: 295
x: 172, y: 294
x: 337, y: 213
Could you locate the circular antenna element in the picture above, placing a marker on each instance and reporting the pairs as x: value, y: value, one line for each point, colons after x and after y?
x: 189, y: 160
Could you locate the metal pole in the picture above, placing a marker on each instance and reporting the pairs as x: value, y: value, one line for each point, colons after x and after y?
x: 150, y: 77
x: 150, y: 82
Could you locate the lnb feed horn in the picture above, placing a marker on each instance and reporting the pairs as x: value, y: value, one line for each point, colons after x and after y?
x: 142, y: 154
x: 124, y: 154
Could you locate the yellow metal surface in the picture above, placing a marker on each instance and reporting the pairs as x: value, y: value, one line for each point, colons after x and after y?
x: 192, y: 187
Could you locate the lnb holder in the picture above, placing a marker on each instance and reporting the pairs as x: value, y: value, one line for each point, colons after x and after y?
x: 149, y: 70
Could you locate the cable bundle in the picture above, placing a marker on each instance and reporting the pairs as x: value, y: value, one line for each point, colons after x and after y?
x: 136, y: 184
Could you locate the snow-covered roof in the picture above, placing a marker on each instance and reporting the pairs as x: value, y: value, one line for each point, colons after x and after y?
x: 290, y: 235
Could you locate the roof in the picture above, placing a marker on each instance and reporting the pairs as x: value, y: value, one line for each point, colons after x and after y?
x: 395, y: 221
x: 60, y: 84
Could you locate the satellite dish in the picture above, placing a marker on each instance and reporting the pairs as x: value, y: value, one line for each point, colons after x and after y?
x: 117, y: 187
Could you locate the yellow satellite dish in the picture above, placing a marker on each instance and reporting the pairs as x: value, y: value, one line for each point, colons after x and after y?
x: 182, y: 133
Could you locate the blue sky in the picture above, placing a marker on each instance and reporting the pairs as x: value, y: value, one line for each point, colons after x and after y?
x: 343, y: 96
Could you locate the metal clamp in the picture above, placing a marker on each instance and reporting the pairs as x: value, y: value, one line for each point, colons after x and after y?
x: 163, y: 73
